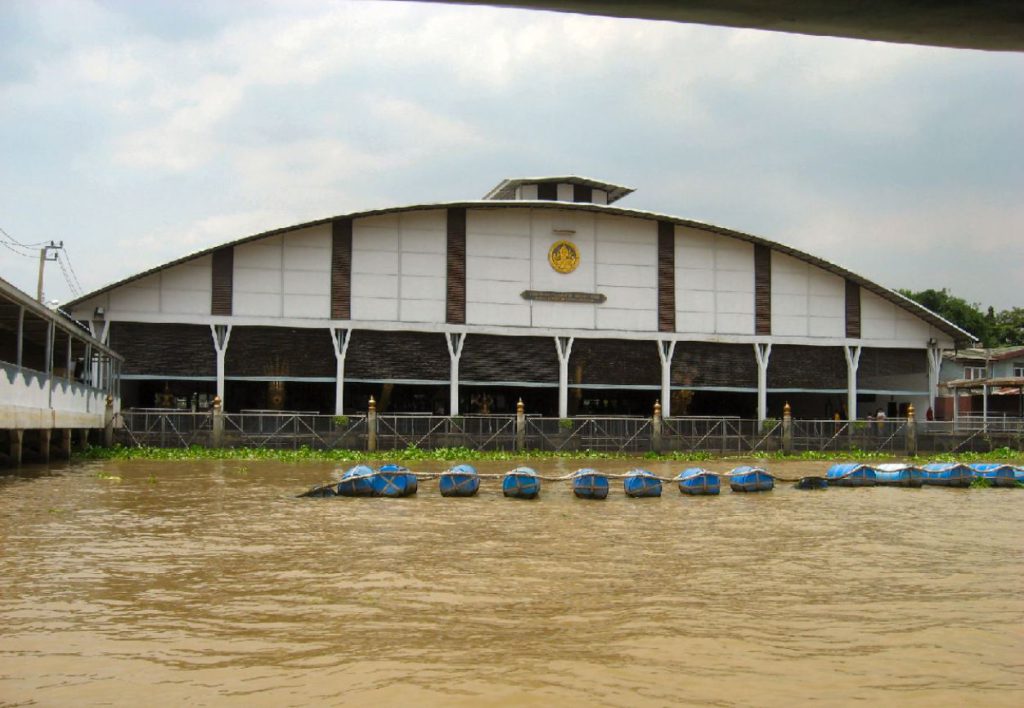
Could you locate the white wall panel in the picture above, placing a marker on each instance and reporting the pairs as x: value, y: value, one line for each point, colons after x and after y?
x: 307, y: 283
x: 561, y: 314
x: 375, y: 286
x: 507, y: 293
x: 136, y: 298
x: 566, y: 193
x: 498, y: 247
x: 497, y: 314
x: 257, y: 280
x: 250, y: 304
x: 627, y: 319
x: 428, y: 264
x: 714, y: 283
x: 311, y: 306
x: 423, y: 310
x: 265, y: 253
x: 374, y: 309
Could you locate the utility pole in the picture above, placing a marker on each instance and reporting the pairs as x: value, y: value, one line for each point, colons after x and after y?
x: 44, y: 255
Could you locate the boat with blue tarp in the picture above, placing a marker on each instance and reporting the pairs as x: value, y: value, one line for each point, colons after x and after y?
x: 851, y: 474
x: 948, y: 474
x: 895, y: 474
x: 697, y: 480
x: 459, y: 481
x: 356, y: 482
x: 394, y: 481
x: 641, y: 483
x: 750, y: 479
x: 521, y: 483
x: 998, y: 473
x: 588, y: 483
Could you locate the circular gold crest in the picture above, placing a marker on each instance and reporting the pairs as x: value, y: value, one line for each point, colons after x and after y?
x: 564, y: 256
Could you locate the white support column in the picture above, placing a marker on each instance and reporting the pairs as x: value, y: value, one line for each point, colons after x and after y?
x: 221, y: 337
x: 934, y: 365
x: 665, y: 352
x: 852, y: 362
x: 763, y: 352
x: 455, y: 340
x: 563, y: 345
x: 101, y: 331
x: 340, y: 339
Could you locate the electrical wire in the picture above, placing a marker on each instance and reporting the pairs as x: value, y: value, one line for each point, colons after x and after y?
x: 67, y: 277
x: 16, y: 242
x: 78, y: 281
x: 12, y: 249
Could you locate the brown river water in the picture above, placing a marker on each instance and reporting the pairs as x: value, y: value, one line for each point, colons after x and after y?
x: 209, y: 583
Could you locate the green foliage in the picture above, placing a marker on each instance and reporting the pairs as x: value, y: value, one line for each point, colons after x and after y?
x: 1008, y: 329
x: 981, y: 483
x: 464, y: 454
x: 994, y: 329
x: 341, y: 421
x: 565, y: 423
x: 768, y: 424
x: 963, y: 314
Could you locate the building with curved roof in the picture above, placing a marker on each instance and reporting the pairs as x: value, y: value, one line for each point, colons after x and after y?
x: 545, y: 290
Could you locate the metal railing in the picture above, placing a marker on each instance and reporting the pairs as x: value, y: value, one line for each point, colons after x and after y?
x: 723, y: 435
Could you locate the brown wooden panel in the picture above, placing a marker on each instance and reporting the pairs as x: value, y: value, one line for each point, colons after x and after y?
x: 762, y: 289
x: 666, y: 277
x: 456, y: 299
x: 341, y: 269
x: 582, y: 193
x: 852, y: 309
x: 547, y: 191
x: 223, y: 281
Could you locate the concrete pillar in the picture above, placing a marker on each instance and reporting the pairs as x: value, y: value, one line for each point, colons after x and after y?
x: 371, y: 426
x: 340, y: 339
x: 665, y: 352
x: 108, y: 423
x: 64, y: 443
x: 852, y: 355
x: 44, y: 445
x: 217, y: 424
x: 455, y: 340
x: 221, y: 337
x: 911, y: 431
x: 563, y: 345
x: 762, y: 352
x: 17, y: 439
x: 787, y: 428
x: 934, y: 355
x: 83, y: 440
x: 520, y: 426
x: 984, y: 407
x: 656, y: 427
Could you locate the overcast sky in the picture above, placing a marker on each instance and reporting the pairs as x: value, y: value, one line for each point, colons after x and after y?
x: 137, y: 132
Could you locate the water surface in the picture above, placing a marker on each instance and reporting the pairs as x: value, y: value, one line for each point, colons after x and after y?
x: 210, y: 583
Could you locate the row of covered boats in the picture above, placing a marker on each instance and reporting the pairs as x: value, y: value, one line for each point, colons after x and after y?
x: 587, y: 483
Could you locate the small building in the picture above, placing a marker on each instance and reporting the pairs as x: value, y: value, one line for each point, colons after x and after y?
x: 55, y: 378
x: 986, y: 383
x: 546, y: 290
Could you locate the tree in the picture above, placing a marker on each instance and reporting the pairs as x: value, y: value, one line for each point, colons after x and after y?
x: 1008, y: 330
x: 963, y: 314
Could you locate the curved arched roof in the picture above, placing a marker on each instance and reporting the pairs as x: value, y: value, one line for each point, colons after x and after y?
x: 943, y: 325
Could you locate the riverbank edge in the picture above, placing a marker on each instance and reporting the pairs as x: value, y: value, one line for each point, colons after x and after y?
x: 462, y: 454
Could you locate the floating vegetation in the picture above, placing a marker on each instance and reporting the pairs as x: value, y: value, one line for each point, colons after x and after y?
x: 465, y: 454
x: 107, y: 476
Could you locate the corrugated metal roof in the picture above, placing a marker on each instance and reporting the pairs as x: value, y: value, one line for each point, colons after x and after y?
x: 940, y: 323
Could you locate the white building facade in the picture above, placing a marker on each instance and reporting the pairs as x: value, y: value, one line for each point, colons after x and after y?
x: 544, y: 290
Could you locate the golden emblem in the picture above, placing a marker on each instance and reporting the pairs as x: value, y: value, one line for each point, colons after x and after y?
x: 564, y: 256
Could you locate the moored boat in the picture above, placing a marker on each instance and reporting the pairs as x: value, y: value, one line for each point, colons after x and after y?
x: 851, y: 474
x: 356, y: 482
x: 750, y: 479
x: 393, y: 481
x: 459, y: 481
x: 894, y: 474
x: 948, y: 474
x: 521, y: 483
x: 697, y: 480
x: 641, y: 483
x: 997, y: 473
x: 589, y: 484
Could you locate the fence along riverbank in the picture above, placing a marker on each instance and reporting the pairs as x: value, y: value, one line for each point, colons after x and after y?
x: 375, y: 431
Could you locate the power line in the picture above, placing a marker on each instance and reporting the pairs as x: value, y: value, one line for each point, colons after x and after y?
x: 12, y: 249
x: 78, y: 281
x: 67, y: 277
x: 16, y: 242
